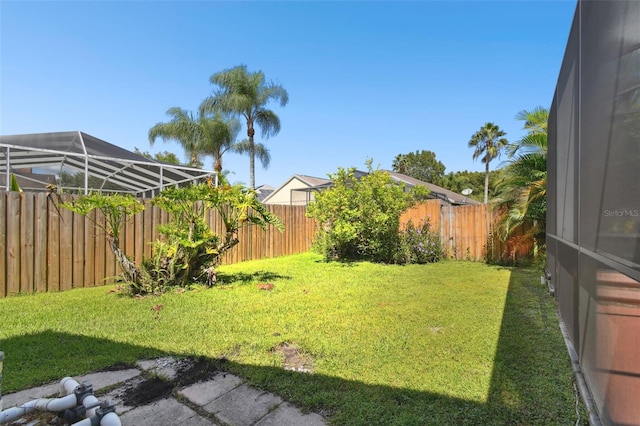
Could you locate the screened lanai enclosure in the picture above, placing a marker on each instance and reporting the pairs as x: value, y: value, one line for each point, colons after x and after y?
x: 593, y: 216
x: 76, y: 162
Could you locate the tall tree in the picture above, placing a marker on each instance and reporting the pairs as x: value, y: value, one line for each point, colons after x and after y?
x: 248, y: 94
x: 535, y: 121
x: 182, y: 129
x: 461, y: 180
x: 218, y: 135
x: 488, y: 142
x: 204, y: 134
x: 523, y: 190
x: 421, y: 165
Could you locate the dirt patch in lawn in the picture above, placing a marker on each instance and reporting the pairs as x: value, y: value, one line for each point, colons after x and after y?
x: 294, y: 358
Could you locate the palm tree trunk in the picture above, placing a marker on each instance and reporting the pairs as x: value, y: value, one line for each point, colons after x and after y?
x: 252, y: 156
x: 486, y: 196
x: 486, y: 183
x: 217, y: 164
x: 194, y: 159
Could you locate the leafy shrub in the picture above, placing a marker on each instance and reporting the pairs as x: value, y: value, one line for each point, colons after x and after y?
x: 420, y: 244
x: 359, y: 217
x: 189, y: 250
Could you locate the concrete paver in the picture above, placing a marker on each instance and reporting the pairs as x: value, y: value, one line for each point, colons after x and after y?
x: 243, y: 406
x: 223, y: 399
x: 106, y: 379
x: 205, y: 392
x: 13, y: 399
x: 288, y: 415
x: 166, y: 412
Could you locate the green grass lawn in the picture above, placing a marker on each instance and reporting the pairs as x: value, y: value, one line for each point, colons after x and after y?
x: 448, y: 343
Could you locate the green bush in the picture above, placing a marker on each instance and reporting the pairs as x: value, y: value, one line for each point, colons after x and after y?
x: 189, y: 250
x: 359, y: 217
x: 420, y: 244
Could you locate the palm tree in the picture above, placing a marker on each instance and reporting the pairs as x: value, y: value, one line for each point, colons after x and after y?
x: 523, y: 190
x: 488, y: 142
x: 199, y: 135
x: 535, y: 121
x: 218, y: 136
x: 182, y: 129
x: 247, y: 94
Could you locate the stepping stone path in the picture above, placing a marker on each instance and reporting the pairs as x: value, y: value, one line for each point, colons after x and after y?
x: 161, y: 392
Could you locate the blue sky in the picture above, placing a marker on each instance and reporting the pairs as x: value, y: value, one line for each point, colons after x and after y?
x: 365, y: 79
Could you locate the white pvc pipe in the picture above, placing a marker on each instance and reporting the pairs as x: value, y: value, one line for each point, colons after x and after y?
x: 109, y: 419
x: 67, y: 387
x: 44, y: 404
x: 90, y: 402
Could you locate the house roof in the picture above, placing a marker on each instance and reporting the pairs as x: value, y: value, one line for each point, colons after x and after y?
x: 79, y: 152
x: 263, y: 191
x: 312, y: 183
x: 436, y: 191
x: 316, y: 184
x: 311, y: 180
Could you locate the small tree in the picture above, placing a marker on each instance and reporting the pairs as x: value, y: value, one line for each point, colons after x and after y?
x: 116, y: 209
x: 359, y: 218
x: 189, y: 250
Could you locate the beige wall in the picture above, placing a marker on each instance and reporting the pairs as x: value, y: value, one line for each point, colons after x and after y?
x: 284, y: 195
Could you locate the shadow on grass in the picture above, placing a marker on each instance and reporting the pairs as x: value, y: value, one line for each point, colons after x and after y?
x: 530, y: 383
x: 532, y: 374
x: 243, y: 278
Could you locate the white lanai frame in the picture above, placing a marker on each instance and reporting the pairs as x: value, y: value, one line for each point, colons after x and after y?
x: 134, y: 173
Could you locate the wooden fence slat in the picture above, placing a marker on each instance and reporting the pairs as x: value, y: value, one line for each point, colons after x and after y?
x: 78, y: 249
x: 100, y: 255
x: 89, y: 269
x: 66, y: 246
x: 40, y: 246
x: 14, y: 205
x: 53, y: 250
x: 127, y: 241
x: 27, y: 244
x: 139, y: 237
x: 3, y: 244
x: 147, y: 237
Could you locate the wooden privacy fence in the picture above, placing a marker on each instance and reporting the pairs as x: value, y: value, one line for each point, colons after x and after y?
x: 46, y: 249
x: 464, y: 230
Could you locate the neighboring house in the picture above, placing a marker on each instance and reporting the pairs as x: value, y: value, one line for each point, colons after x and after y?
x: 263, y: 191
x: 300, y: 189
x: 436, y: 192
x: 297, y: 190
